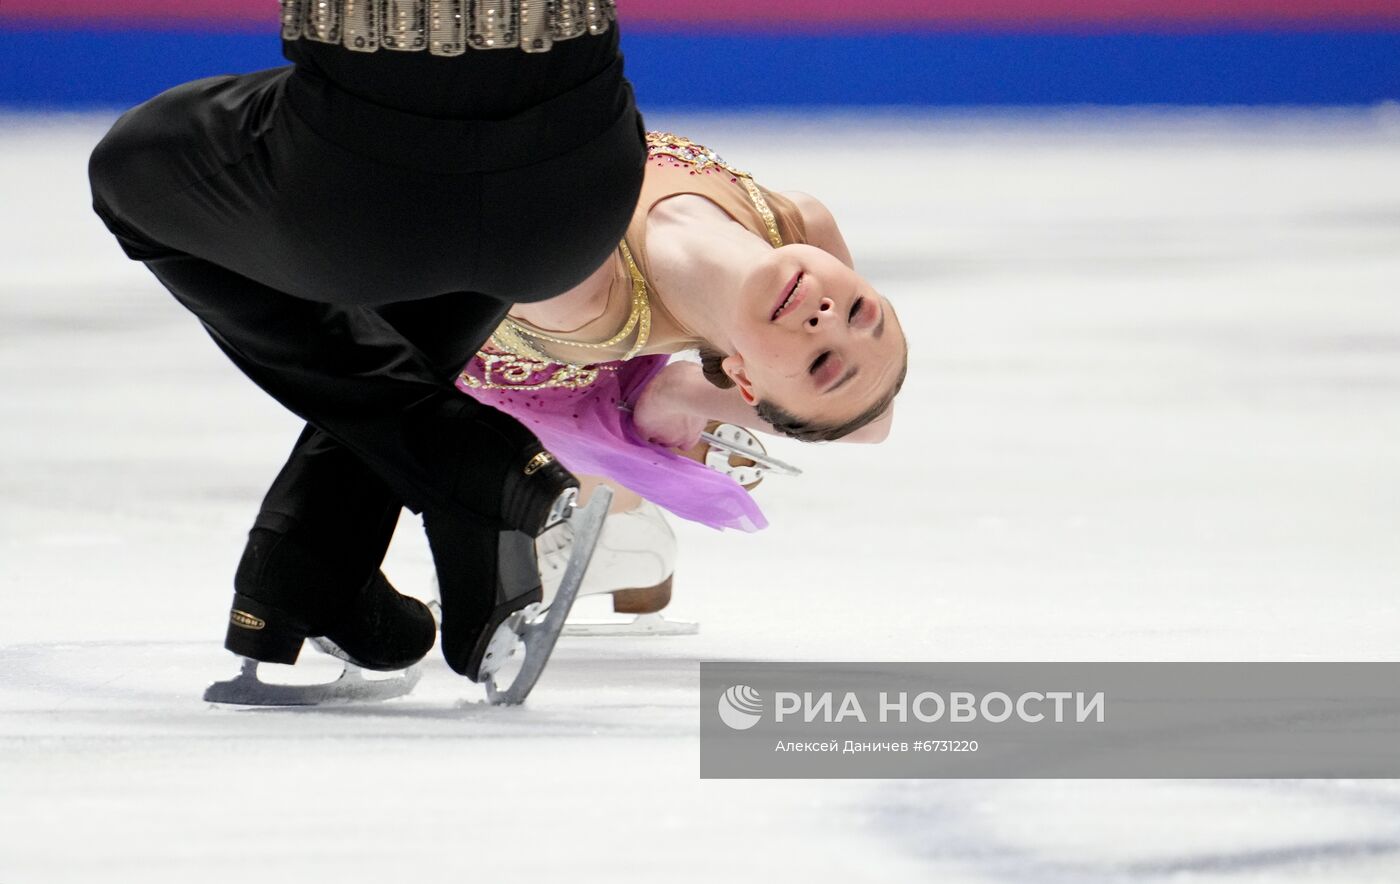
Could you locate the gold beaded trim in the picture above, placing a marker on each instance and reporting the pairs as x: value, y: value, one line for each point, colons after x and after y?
x: 701, y: 157
x: 511, y: 358
x: 518, y: 337
x: 639, y: 295
x: 506, y: 371
x: 764, y: 211
x: 682, y: 148
x: 445, y: 27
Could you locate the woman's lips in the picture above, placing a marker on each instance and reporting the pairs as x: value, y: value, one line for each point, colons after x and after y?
x: 792, y: 296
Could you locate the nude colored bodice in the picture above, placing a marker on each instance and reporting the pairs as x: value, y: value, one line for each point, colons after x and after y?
x: 675, y: 166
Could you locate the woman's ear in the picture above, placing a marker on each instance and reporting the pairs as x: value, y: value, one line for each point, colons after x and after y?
x: 734, y: 367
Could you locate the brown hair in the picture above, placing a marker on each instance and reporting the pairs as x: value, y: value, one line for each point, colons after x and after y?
x: 789, y: 424
x: 714, y: 372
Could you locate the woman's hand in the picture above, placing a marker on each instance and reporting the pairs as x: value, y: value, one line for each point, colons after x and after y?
x: 664, y: 414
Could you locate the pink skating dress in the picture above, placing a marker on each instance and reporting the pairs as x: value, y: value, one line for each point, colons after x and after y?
x: 582, y: 413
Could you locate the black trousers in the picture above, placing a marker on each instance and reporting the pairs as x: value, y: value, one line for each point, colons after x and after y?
x: 339, y: 517
x: 351, y: 228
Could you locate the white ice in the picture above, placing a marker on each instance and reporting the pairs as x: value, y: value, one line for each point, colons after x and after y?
x: 1152, y: 414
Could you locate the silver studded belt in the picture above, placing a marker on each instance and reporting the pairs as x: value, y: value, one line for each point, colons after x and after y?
x: 444, y: 27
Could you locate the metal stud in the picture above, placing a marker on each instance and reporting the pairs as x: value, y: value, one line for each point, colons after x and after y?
x: 596, y: 13
x: 362, y: 25
x: 447, y: 27
x: 405, y: 25
x: 569, y: 20
x: 293, y: 13
x: 535, y: 34
x: 493, y: 24
x: 444, y: 27
x: 323, y: 20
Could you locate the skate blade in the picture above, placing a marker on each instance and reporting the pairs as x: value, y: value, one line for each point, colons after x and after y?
x: 733, y: 443
x: 642, y: 624
x: 563, y: 506
x: 536, y: 635
x: 246, y: 689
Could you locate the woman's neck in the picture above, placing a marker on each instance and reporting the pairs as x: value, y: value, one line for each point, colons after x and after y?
x: 698, y: 258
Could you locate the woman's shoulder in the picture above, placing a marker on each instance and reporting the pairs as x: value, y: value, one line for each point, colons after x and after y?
x: 675, y: 155
x: 820, y: 223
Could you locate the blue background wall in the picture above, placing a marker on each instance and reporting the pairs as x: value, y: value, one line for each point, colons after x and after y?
x: 890, y: 54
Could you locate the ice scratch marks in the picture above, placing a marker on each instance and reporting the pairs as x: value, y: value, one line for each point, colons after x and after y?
x: 1064, y: 832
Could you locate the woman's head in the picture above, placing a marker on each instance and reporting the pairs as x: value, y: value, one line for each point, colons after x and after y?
x: 817, y: 350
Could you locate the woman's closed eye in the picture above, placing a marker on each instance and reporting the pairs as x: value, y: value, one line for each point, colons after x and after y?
x: 825, y: 369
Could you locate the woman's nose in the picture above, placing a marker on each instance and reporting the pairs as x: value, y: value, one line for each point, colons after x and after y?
x: 824, y: 308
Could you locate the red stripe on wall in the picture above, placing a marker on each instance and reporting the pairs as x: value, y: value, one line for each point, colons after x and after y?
x: 1004, y: 13
x: 735, y: 14
x: 241, y: 14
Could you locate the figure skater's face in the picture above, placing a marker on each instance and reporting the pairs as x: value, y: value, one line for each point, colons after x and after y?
x: 814, y: 338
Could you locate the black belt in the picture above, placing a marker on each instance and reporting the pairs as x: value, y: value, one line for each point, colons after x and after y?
x: 543, y: 132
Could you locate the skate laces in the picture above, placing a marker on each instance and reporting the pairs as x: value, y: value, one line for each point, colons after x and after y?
x: 552, y: 548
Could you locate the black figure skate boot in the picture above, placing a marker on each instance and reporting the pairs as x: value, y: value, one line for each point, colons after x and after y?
x: 285, y: 593
x: 488, y: 575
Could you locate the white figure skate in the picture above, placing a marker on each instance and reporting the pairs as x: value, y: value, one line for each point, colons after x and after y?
x: 736, y: 452
x: 634, y: 562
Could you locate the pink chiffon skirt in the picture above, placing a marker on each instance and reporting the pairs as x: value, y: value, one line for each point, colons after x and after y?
x: 590, y: 430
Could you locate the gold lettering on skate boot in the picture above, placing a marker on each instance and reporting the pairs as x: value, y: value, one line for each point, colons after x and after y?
x: 445, y: 27
x: 538, y: 462
x: 245, y: 620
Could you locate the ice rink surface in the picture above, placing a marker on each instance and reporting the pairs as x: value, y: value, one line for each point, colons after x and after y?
x: 1152, y: 414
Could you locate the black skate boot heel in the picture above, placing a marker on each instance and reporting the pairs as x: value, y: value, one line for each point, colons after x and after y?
x: 286, y: 591
x: 379, y: 630
x: 262, y: 632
